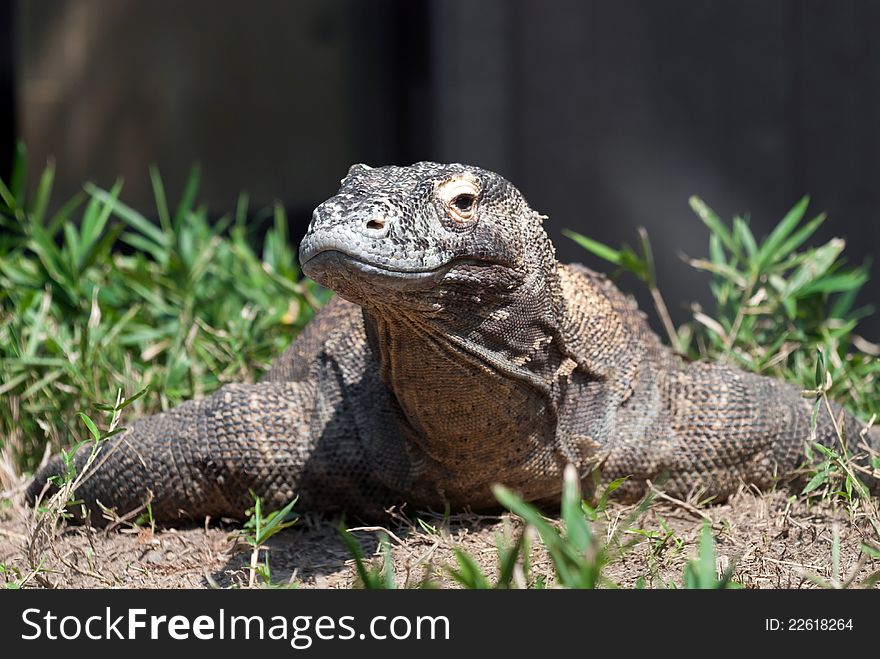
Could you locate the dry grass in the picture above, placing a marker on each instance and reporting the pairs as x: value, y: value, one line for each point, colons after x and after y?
x: 773, y: 540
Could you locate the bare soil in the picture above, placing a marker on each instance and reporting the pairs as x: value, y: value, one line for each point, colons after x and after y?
x: 773, y: 540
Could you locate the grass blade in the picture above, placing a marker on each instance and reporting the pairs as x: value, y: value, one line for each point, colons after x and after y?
x: 714, y: 223
x: 770, y: 250
x: 187, y: 199
x: 130, y: 216
x: 601, y: 250
x: 161, y: 200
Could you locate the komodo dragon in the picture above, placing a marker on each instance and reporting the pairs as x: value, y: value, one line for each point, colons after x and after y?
x: 458, y: 354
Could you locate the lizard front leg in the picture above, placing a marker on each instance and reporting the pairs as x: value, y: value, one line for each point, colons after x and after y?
x: 720, y: 428
x: 275, y: 439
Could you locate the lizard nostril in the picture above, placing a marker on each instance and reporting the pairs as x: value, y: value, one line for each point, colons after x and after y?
x: 376, y: 225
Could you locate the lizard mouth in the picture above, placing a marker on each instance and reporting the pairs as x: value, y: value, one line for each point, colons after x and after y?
x: 328, y: 266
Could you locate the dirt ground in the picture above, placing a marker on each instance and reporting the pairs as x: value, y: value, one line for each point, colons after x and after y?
x: 773, y: 540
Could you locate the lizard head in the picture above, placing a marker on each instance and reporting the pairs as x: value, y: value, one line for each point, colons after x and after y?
x: 399, y: 233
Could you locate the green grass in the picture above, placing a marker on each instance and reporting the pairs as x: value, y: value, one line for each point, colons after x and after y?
x: 369, y: 576
x: 96, y: 298
x: 777, y: 303
x: 257, y: 531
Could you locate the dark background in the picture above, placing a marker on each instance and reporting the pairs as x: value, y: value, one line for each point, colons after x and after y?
x: 607, y: 115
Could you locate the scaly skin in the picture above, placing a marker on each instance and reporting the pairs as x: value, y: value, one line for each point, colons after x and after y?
x: 459, y: 354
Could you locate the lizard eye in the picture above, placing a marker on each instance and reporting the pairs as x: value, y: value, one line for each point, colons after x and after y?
x: 464, y: 202
x: 459, y: 195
